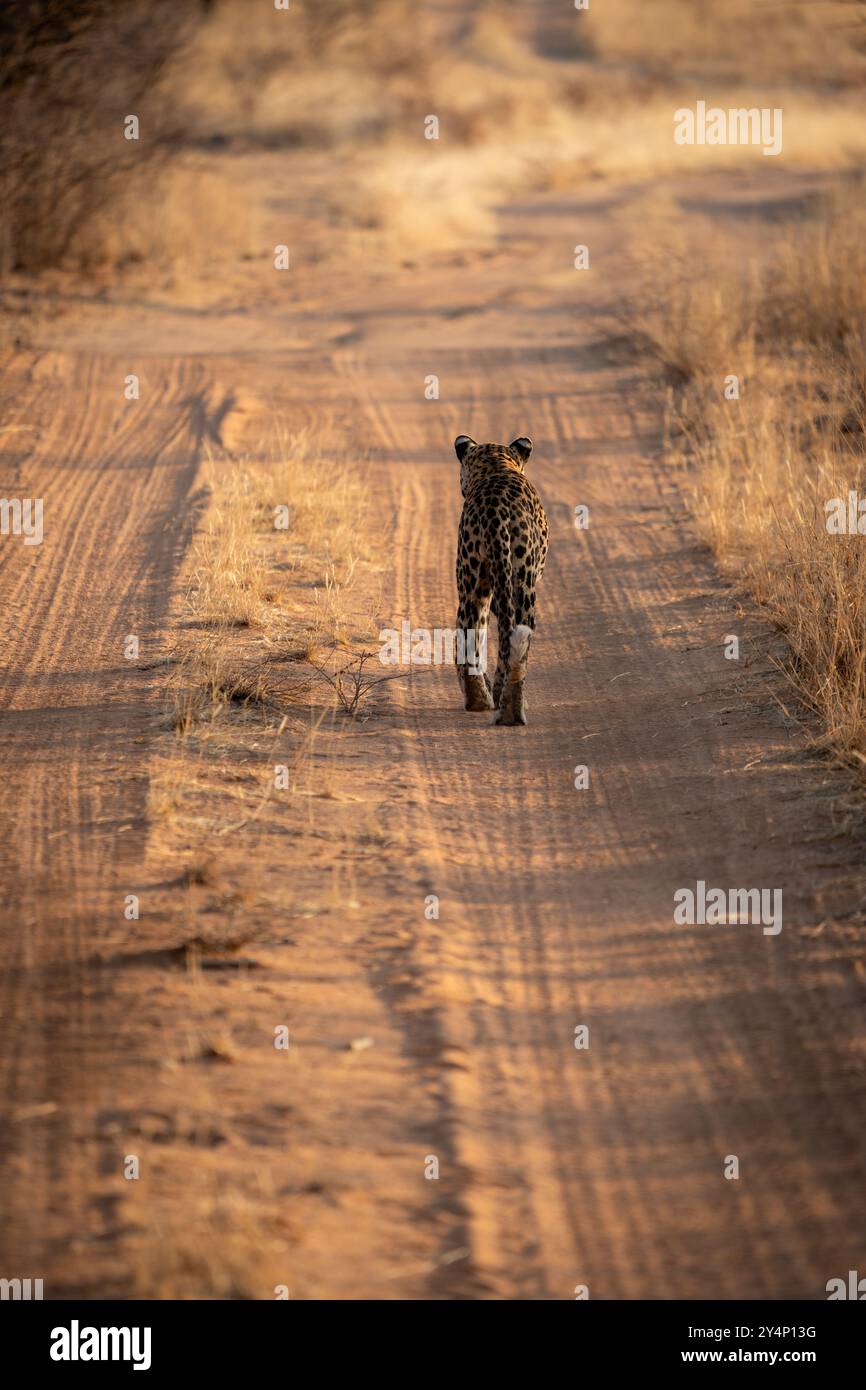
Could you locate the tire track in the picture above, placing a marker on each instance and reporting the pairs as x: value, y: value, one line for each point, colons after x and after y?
x: 115, y: 478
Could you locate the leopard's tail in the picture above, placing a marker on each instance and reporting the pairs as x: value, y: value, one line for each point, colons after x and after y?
x: 499, y: 556
x: 514, y: 640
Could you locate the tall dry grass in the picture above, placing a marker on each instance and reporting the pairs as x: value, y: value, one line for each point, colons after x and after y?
x: 766, y: 465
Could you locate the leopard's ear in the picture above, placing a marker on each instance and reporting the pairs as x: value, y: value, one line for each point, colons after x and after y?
x: 522, y: 447
x: 461, y: 444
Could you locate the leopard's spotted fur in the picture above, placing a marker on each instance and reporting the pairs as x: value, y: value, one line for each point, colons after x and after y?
x: 501, y: 549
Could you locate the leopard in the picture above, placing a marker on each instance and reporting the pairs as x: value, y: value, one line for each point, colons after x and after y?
x: 501, y: 550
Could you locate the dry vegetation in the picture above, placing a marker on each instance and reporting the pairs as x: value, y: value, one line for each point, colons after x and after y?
x: 268, y: 636
x: 527, y: 97
x: 524, y: 100
x: 792, y: 328
x: 264, y: 608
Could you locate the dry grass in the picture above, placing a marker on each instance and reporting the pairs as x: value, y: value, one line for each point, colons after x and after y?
x: 264, y: 620
x: 242, y: 794
x: 325, y: 73
x: 815, y: 292
x: 286, y: 506
x: 767, y: 464
x: 211, y: 680
x: 203, y: 224
x: 695, y: 327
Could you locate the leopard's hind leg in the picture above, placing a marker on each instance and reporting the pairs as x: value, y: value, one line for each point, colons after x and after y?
x: 511, y: 708
x: 509, y: 695
x: 471, y: 649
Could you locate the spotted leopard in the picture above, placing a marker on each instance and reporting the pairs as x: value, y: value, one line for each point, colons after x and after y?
x: 501, y: 549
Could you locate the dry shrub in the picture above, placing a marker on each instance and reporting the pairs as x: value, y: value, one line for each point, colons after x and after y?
x: 70, y: 72
x: 354, y: 680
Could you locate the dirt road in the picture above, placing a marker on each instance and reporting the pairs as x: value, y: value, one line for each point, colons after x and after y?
x: 558, y: 1167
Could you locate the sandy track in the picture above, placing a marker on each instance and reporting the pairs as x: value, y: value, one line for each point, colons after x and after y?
x: 115, y: 478
x: 558, y: 1167
x: 604, y: 1167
